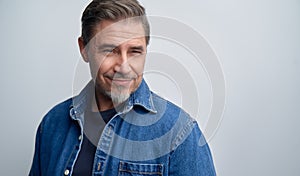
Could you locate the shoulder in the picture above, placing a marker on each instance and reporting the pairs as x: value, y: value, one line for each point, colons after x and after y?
x: 174, y: 115
x: 59, y: 114
x: 168, y: 108
x: 178, y: 118
x: 60, y: 108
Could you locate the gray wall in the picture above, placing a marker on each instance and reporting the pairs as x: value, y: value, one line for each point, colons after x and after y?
x: 257, y: 43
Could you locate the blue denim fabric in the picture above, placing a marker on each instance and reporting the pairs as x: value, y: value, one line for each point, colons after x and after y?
x: 148, y: 136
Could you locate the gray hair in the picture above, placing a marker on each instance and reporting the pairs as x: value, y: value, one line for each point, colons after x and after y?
x: 99, y: 10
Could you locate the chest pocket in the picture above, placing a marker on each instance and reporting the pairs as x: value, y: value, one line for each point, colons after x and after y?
x: 140, y: 169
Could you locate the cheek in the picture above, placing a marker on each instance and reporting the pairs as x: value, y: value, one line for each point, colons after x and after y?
x: 94, y: 66
x: 104, y: 66
x: 99, y: 64
x: 136, y: 84
x: 137, y: 64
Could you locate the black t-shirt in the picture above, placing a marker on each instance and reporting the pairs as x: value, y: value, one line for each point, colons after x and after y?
x: 94, y: 123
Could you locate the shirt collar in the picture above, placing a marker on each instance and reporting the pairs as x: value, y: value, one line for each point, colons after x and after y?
x: 141, y: 97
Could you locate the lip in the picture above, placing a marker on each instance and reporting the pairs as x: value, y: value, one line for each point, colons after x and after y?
x: 121, y: 82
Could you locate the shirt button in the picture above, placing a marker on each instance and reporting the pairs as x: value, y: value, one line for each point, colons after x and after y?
x: 67, y: 172
x: 80, y: 137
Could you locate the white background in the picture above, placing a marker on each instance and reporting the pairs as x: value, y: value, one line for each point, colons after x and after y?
x: 258, y: 44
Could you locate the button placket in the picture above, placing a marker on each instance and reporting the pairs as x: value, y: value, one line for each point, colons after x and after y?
x: 104, y: 146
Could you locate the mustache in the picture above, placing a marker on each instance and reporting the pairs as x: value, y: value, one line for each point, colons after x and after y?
x: 121, y: 76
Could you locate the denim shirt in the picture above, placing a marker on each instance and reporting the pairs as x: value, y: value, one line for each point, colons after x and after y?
x: 148, y: 136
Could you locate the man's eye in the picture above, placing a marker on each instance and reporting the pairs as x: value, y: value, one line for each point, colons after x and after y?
x: 136, y: 51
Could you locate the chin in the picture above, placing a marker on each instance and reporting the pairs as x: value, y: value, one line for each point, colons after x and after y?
x: 117, y: 98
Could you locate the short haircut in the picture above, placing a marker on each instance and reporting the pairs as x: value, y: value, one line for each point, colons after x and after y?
x: 99, y: 10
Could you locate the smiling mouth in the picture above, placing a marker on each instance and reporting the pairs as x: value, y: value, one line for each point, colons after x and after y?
x: 121, y: 81
x: 124, y: 82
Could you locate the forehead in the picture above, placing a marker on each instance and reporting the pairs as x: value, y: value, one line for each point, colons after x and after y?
x: 119, y: 32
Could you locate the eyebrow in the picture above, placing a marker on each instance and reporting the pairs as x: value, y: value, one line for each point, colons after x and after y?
x: 106, y: 45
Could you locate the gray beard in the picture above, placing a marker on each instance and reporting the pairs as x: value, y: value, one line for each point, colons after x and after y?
x: 119, y: 96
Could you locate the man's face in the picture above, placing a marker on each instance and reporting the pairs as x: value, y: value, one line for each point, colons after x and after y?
x: 116, y: 56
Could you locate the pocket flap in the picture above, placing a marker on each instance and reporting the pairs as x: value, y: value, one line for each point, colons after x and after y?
x: 141, y: 168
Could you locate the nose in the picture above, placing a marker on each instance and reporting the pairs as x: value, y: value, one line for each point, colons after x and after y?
x: 122, y: 66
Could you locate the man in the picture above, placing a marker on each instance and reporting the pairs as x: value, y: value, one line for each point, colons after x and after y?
x: 116, y: 125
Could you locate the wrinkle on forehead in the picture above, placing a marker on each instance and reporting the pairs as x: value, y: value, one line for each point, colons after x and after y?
x: 118, y: 32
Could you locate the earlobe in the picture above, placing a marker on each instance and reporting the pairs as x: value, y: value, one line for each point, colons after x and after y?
x: 82, y: 49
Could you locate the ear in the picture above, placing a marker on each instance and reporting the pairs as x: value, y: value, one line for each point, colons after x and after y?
x: 83, y: 49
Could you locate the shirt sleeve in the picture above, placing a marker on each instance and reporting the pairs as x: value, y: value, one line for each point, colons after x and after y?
x: 35, y: 167
x: 192, y: 157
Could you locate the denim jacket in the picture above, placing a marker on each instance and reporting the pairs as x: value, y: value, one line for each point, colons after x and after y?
x: 150, y: 136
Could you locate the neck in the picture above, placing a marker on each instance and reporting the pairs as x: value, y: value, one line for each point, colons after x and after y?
x: 101, y: 102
